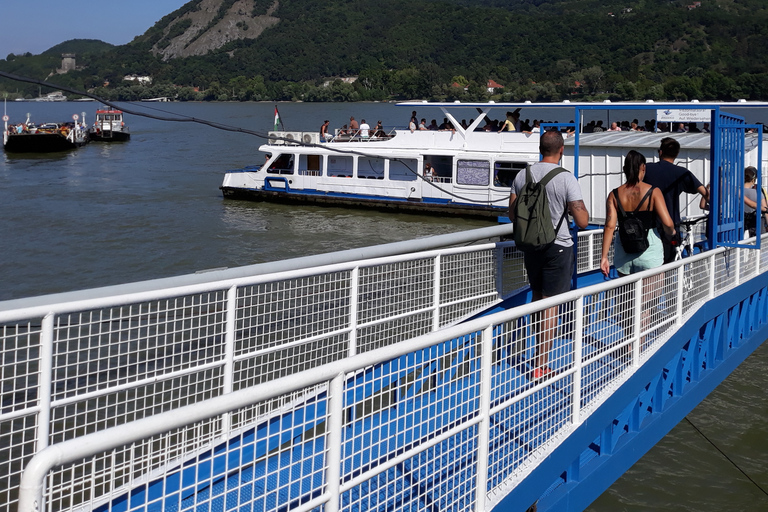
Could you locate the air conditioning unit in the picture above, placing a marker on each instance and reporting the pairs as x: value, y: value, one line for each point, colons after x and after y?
x: 292, y: 136
x: 275, y: 141
x: 311, y: 138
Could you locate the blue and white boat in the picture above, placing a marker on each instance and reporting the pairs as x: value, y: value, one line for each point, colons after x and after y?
x: 394, y: 377
x: 473, y: 169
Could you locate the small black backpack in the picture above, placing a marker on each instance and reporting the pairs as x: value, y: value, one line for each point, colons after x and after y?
x: 632, y: 232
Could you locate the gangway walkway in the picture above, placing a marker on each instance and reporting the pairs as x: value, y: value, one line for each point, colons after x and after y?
x: 441, y: 416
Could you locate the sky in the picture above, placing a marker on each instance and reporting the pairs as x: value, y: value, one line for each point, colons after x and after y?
x: 35, y: 26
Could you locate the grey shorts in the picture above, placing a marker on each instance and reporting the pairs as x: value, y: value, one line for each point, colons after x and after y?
x: 550, y: 271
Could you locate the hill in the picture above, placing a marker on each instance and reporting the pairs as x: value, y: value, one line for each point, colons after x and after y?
x: 442, y: 49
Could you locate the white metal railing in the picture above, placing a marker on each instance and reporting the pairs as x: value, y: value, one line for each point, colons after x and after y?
x: 380, y: 419
x: 113, y: 360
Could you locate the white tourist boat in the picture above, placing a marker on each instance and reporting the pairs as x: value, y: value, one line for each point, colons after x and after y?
x: 474, y: 169
x: 109, y: 126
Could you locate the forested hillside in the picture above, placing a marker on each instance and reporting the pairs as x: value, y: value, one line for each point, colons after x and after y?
x: 538, y: 50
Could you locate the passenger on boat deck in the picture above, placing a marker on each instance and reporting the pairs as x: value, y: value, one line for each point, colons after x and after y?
x: 536, y: 127
x: 647, y: 203
x: 680, y: 128
x: 633, y: 127
x: 509, y: 124
x: 344, y: 130
x: 378, y: 130
x: 432, y: 125
x: 423, y: 124
x: 598, y: 127
x: 354, y: 127
x: 705, y: 128
x: 324, y: 135
x: 445, y: 125
x: 365, y: 129
x: 550, y: 269
x: 413, y: 124
x: 673, y: 180
x: 464, y: 124
x: 614, y: 127
x: 429, y: 172
x: 750, y: 203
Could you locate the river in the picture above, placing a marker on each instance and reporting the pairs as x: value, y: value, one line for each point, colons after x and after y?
x: 151, y: 208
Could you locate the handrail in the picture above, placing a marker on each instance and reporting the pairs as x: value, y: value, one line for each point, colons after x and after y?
x: 334, y: 374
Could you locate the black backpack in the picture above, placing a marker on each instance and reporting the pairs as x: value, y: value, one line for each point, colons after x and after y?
x: 533, y: 222
x: 632, y: 232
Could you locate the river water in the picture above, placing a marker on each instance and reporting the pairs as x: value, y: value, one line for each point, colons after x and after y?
x: 150, y: 208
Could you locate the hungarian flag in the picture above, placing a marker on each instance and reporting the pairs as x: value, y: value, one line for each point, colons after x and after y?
x: 278, y: 121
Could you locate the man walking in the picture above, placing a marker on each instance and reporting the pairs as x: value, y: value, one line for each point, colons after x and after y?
x: 550, y: 267
x: 672, y: 180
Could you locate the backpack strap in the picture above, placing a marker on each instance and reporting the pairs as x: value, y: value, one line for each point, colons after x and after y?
x: 622, y: 213
x: 544, y: 181
x: 646, y: 196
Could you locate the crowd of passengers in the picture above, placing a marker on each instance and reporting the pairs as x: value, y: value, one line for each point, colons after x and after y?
x: 512, y: 122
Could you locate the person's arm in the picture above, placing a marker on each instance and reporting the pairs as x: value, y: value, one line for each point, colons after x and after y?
x: 704, y: 201
x: 512, y: 200
x: 610, y: 228
x: 579, y: 212
x: 704, y: 191
x: 660, y: 208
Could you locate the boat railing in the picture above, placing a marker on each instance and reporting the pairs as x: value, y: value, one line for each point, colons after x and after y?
x: 322, y: 421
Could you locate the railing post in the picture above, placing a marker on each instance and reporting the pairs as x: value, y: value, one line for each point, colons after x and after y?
x: 229, y: 353
x: 679, y: 295
x: 712, y: 271
x: 46, y: 378
x: 638, y: 322
x: 591, y: 252
x: 737, y: 280
x: 577, y: 358
x: 500, y: 270
x: 354, y: 293
x: 483, y: 428
x: 335, y: 425
x: 436, y: 294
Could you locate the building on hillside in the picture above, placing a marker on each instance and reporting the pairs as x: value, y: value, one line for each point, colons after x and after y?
x: 143, y: 79
x: 67, y: 63
x: 492, y: 86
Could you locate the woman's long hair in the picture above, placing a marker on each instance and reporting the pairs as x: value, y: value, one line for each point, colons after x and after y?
x: 632, y: 164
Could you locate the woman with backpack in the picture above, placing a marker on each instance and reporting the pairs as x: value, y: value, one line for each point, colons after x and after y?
x: 636, y: 206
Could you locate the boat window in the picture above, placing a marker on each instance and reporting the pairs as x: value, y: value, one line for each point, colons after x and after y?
x: 504, y: 172
x: 403, y: 169
x: 370, y: 168
x: 473, y: 172
x: 443, y: 166
x: 340, y: 166
x: 282, y: 165
x: 309, y: 165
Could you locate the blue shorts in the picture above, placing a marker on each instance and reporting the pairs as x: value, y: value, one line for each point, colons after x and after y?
x: 652, y: 257
x: 550, y: 271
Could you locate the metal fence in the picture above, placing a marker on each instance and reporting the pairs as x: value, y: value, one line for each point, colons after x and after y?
x: 119, y: 359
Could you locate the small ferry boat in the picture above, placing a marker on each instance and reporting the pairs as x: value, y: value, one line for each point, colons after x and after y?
x: 109, y: 127
x: 29, y: 137
x: 470, y: 170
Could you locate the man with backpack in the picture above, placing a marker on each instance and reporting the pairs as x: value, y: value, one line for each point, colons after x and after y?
x: 540, y: 200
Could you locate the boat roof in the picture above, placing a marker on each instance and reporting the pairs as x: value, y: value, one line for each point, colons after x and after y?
x: 109, y: 111
x: 632, y: 105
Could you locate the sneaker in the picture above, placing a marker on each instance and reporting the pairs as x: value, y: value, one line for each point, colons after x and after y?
x: 542, y: 373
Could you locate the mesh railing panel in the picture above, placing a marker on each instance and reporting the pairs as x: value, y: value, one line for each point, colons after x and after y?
x: 101, y: 412
x: 96, y: 350
x: 725, y: 270
x: 392, y: 331
x: 395, y: 289
x: 279, y: 312
x: 393, y: 408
